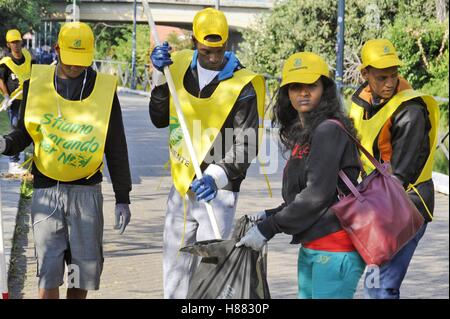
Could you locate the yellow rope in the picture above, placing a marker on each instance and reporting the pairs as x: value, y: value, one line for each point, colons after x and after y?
x: 30, y: 161
x: 411, y: 186
x: 266, y: 178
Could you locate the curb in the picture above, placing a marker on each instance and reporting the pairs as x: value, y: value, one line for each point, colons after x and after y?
x: 10, y: 196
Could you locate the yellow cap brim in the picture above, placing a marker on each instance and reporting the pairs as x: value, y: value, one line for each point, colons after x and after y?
x: 384, y: 63
x: 76, y: 58
x: 13, y: 38
x: 295, y: 77
x: 217, y: 44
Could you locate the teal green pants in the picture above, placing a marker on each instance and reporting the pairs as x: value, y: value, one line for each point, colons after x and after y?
x: 328, y: 275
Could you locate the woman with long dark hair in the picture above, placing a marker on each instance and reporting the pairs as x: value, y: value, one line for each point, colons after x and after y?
x: 328, y: 264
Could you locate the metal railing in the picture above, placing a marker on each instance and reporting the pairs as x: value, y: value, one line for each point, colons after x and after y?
x: 123, y: 72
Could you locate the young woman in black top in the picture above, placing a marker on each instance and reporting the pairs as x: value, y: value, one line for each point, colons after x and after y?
x: 328, y: 264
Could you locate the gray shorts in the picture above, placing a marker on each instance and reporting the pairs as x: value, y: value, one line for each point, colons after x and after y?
x: 68, y: 228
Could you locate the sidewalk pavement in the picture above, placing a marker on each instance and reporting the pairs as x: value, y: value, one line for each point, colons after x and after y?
x: 133, y: 261
x: 9, y: 203
x: 10, y: 196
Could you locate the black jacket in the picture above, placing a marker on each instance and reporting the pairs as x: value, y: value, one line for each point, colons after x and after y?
x: 115, y: 147
x: 410, y: 146
x: 244, y: 116
x: 310, y: 180
x: 9, y: 78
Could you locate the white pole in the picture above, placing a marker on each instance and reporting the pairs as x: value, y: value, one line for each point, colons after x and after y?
x: 184, y: 129
x: 74, y: 10
x: 3, y: 274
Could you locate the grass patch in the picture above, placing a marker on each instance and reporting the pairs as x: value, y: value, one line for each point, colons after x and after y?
x: 440, y: 160
x: 4, y: 122
x: 26, y: 189
x: 18, y: 263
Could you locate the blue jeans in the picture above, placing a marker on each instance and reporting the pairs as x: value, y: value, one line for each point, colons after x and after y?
x: 13, y: 113
x: 328, y: 275
x: 393, y: 272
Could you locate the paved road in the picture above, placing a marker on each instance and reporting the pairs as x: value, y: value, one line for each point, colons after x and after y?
x: 133, y: 263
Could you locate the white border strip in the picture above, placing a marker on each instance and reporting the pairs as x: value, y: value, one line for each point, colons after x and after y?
x: 440, y: 182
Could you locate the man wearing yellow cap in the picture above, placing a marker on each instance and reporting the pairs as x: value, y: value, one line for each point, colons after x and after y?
x: 72, y: 116
x: 14, y: 70
x: 223, y: 104
x: 398, y: 125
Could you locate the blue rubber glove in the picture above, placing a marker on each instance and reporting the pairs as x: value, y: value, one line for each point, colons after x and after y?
x: 160, y: 56
x: 204, y: 188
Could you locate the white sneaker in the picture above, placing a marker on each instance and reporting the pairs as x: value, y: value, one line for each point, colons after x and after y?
x: 15, y: 169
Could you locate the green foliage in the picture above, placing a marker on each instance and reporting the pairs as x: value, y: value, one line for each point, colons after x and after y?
x: 310, y: 25
x: 423, y: 48
x: 26, y: 188
x: 441, y: 161
x: 286, y: 30
x: 115, y: 43
x: 123, y: 49
x: 21, y: 14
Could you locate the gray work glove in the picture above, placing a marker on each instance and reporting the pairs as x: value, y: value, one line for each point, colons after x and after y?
x: 123, y: 216
x: 257, y: 216
x: 253, y: 239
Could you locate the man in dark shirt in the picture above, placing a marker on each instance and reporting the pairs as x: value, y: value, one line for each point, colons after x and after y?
x: 14, y: 68
x: 219, y: 93
x: 72, y: 115
x: 398, y: 125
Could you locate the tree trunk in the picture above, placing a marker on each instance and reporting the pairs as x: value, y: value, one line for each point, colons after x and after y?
x: 441, y: 10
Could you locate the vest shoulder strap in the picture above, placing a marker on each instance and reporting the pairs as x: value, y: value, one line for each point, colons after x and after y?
x: 5, y: 59
x: 40, y: 71
x: 109, y: 78
x: 182, y: 55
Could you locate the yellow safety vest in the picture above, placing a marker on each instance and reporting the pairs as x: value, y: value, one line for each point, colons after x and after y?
x: 204, y: 116
x: 69, y: 147
x: 368, y: 130
x: 21, y: 71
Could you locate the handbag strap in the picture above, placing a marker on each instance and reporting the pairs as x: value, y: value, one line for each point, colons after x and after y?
x: 344, y: 176
x: 350, y: 185
x: 363, y: 150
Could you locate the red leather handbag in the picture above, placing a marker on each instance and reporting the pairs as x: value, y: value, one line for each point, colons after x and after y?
x: 378, y: 215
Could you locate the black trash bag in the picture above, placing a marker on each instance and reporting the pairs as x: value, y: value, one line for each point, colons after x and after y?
x: 227, y: 272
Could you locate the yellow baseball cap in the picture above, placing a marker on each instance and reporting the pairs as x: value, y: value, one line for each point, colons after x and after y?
x: 304, y: 67
x: 13, y: 35
x: 380, y: 54
x: 207, y: 22
x: 76, y: 43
